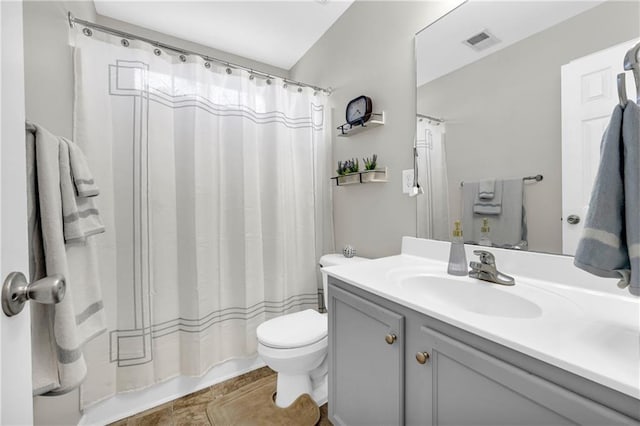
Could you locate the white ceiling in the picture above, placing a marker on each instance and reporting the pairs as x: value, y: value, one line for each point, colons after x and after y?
x: 277, y: 33
x: 440, y: 49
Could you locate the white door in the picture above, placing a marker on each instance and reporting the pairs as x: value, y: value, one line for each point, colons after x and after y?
x: 589, y: 94
x: 15, y: 334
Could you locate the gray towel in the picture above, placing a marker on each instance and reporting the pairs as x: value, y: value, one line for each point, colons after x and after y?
x: 610, y: 243
x: 488, y: 206
x: 487, y: 189
x: 506, y: 228
x: 58, y: 331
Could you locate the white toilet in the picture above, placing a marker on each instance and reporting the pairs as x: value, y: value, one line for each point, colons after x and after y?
x: 295, y: 346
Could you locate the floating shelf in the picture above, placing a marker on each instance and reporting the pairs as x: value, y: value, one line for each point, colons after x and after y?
x: 365, y: 176
x: 346, y: 130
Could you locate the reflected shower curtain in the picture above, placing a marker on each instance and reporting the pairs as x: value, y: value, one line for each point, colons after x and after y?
x: 433, y: 205
x: 216, y: 200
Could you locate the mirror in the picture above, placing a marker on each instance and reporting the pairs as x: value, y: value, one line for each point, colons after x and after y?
x: 502, y: 93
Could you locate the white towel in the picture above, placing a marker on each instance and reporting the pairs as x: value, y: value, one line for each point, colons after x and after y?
x: 507, y: 227
x: 82, y: 178
x: 610, y: 243
x: 80, y: 216
x: 492, y: 206
x: 486, y: 189
x: 58, y: 331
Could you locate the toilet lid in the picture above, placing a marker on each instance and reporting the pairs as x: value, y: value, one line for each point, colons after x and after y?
x: 293, y: 330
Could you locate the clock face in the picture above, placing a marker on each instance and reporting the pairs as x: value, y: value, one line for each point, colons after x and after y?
x: 359, y: 110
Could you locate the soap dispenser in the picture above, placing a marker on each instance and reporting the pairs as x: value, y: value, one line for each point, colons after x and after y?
x: 457, y: 256
x: 485, y: 240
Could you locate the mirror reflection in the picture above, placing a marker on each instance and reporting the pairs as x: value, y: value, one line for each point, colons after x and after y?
x: 512, y: 101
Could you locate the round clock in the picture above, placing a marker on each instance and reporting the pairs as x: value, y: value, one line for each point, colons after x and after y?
x: 359, y: 110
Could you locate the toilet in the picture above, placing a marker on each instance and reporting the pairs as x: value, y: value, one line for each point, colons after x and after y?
x: 295, y: 347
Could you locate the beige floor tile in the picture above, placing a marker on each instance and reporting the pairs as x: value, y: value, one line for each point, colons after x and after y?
x: 192, y: 415
x: 324, y: 416
x: 191, y: 409
x: 161, y: 415
x: 200, y: 397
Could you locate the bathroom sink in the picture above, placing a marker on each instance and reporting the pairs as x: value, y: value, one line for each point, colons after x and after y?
x: 470, y: 295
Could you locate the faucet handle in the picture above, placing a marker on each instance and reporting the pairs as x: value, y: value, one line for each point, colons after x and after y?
x: 485, y: 257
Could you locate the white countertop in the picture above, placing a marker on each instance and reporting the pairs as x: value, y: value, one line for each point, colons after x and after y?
x: 594, y: 334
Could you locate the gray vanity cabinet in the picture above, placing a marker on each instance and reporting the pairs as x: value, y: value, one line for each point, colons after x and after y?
x: 366, y: 355
x: 465, y: 386
x: 436, y: 374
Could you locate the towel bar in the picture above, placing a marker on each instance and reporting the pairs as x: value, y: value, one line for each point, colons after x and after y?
x: 537, y: 178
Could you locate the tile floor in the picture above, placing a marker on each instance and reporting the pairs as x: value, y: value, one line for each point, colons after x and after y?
x: 192, y: 409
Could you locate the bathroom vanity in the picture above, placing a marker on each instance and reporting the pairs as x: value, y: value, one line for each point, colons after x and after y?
x: 409, y: 344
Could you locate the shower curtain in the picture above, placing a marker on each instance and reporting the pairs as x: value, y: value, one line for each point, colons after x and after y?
x: 216, y: 201
x: 433, y: 206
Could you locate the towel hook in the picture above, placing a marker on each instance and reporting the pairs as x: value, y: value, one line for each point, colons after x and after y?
x: 622, y: 89
x: 631, y: 64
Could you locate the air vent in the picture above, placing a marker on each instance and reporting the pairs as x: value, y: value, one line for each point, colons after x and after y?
x: 482, y: 40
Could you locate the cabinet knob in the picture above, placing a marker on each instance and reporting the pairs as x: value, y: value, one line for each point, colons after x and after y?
x: 422, y: 357
x: 390, y: 338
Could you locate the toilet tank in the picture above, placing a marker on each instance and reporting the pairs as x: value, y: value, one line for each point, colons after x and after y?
x: 334, y: 259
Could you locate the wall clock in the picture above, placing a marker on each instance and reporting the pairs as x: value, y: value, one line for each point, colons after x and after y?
x: 359, y: 110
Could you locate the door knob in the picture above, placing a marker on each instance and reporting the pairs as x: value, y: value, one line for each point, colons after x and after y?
x: 573, y: 219
x: 16, y: 291
x: 390, y: 338
x: 422, y: 357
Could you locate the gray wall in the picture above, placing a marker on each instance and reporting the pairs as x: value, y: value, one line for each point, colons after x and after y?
x: 48, y: 64
x: 49, y: 102
x: 369, y: 50
x: 503, y: 112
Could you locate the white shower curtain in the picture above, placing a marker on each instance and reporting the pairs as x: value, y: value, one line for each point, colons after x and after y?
x: 433, y: 206
x: 216, y: 202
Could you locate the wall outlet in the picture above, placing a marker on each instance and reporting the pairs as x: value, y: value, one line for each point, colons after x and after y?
x: 407, y: 181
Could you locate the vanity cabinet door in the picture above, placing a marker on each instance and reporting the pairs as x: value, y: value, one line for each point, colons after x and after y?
x: 465, y: 386
x: 366, y: 362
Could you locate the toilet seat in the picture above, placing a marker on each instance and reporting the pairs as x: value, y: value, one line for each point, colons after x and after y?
x: 293, y: 330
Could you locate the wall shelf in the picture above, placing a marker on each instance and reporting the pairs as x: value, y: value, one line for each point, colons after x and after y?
x: 365, y: 176
x: 346, y: 130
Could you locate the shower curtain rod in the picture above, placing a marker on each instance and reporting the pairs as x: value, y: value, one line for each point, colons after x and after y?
x: 73, y: 20
x: 437, y: 120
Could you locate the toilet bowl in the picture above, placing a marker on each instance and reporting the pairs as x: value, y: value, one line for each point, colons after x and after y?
x: 295, y: 347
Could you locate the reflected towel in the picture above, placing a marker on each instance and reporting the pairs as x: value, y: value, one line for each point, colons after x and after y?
x: 610, y: 243
x: 491, y: 206
x: 486, y: 189
x: 506, y: 228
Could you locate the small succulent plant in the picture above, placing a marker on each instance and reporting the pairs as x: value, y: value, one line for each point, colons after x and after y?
x: 342, y: 169
x: 348, y: 166
x: 370, y: 164
x: 354, y: 166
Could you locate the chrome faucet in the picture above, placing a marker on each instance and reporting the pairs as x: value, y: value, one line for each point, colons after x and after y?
x: 486, y: 269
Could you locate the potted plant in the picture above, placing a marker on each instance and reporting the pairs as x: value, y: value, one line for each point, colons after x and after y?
x: 370, y: 166
x: 348, y: 172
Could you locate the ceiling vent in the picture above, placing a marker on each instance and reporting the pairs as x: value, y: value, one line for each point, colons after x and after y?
x: 481, y: 41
